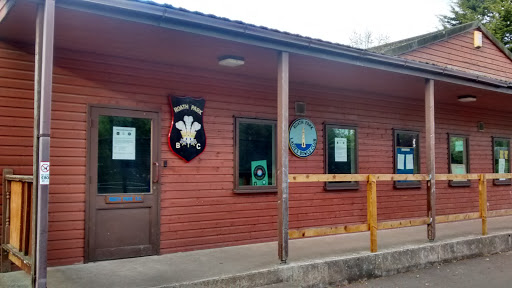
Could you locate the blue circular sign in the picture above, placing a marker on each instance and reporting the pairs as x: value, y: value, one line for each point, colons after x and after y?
x: 302, y: 138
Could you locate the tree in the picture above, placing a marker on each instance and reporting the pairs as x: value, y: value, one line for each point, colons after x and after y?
x: 495, y: 15
x: 367, y: 39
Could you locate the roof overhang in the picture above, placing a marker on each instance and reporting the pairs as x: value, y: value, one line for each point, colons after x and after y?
x: 182, y: 20
x: 5, y: 8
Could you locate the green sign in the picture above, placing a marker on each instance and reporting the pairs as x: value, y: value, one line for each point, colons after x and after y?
x: 259, y: 173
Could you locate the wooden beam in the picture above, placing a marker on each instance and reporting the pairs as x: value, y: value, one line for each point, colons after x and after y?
x: 457, y: 217
x: 499, y: 213
x: 498, y: 175
x: 402, y: 223
x: 371, y: 197
x: 45, y: 24
x: 354, y: 177
x: 430, y: 132
x: 282, y: 154
x: 324, y: 231
x: 19, y: 178
x: 482, y: 197
x: 444, y: 177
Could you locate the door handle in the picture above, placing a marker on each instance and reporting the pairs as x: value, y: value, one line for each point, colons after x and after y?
x: 157, y: 172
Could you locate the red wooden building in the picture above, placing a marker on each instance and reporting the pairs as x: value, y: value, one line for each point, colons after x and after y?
x: 115, y: 63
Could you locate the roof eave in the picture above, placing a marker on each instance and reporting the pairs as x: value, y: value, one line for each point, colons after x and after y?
x: 241, y: 32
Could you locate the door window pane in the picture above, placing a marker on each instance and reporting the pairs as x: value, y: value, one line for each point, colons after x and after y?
x: 256, y: 154
x: 501, y: 148
x: 124, y: 155
x: 407, y: 156
x: 341, y: 157
x: 459, y: 158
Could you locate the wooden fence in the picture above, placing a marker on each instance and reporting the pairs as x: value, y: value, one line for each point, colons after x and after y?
x: 372, y: 225
x: 16, y: 221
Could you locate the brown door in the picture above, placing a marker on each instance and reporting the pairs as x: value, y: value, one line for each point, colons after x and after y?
x: 123, y: 196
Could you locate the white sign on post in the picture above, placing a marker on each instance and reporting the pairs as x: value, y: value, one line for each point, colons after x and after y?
x: 123, y: 143
x: 44, y: 173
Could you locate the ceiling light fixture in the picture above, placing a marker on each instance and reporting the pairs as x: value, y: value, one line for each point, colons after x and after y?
x: 231, y: 61
x: 467, y: 98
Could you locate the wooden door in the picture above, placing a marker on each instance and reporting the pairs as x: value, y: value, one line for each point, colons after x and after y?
x: 123, y: 197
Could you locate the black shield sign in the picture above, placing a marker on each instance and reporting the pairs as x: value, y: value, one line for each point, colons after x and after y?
x: 187, y: 138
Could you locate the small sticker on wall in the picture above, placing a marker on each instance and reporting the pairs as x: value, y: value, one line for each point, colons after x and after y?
x: 44, y: 173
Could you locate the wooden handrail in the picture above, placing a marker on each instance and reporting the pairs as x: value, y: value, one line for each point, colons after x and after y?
x: 19, y: 178
x: 372, y: 225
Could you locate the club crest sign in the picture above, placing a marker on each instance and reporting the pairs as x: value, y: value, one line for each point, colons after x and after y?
x: 187, y: 138
x: 302, y: 138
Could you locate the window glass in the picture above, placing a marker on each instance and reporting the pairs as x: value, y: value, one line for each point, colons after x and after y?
x: 501, y: 147
x: 459, y: 160
x: 124, y: 155
x: 256, y: 153
x: 341, y: 154
x: 407, y: 156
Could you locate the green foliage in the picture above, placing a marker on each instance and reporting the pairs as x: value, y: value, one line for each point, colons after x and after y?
x: 495, y: 15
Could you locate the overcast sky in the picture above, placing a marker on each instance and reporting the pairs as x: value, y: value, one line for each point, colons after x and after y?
x: 331, y: 20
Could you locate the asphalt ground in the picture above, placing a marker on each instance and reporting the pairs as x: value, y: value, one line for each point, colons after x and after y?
x: 489, y: 272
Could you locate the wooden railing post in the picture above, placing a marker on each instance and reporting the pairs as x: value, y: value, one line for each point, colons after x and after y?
x: 482, y: 185
x: 5, y: 263
x: 372, y: 211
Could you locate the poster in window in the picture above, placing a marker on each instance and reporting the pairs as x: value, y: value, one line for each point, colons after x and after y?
x: 259, y: 173
x: 123, y: 143
x: 340, y: 149
x: 187, y: 137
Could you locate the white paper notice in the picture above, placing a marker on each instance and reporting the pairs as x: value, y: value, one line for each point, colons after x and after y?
x: 340, y: 149
x: 501, y: 167
x: 409, y: 161
x: 123, y: 143
x: 459, y: 146
x: 401, y: 158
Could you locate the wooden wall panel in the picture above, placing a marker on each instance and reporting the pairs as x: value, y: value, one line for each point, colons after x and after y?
x: 198, y: 207
x: 458, y: 52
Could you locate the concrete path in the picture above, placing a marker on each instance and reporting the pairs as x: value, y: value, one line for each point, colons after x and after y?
x: 492, y: 271
x: 166, y: 270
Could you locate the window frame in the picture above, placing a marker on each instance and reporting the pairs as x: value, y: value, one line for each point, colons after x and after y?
x: 507, y: 181
x: 253, y: 189
x: 348, y: 185
x: 453, y: 183
x: 412, y: 183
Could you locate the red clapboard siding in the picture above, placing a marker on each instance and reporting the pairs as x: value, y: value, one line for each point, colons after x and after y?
x: 459, y: 52
x: 198, y: 207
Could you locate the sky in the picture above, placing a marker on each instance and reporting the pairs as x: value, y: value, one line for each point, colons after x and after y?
x: 330, y: 20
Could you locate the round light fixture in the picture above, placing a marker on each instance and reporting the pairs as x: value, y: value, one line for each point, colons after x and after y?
x: 467, y: 98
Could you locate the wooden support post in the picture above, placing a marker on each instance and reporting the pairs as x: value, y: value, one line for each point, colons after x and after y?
x: 5, y: 263
x: 372, y: 211
x: 430, y: 132
x: 483, y: 202
x: 282, y: 155
x: 47, y: 40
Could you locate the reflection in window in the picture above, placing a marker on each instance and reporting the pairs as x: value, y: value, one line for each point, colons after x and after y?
x: 341, y: 154
x: 501, y: 151
x: 255, y: 148
x: 124, y: 161
x: 459, y: 159
x: 407, y: 158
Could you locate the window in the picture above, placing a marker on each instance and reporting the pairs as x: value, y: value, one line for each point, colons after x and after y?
x: 255, y: 145
x: 501, y: 151
x: 407, y: 159
x: 340, y: 154
x: 459, y: 158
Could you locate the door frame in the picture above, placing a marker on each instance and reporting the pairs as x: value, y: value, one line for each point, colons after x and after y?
x: 88, y: 196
